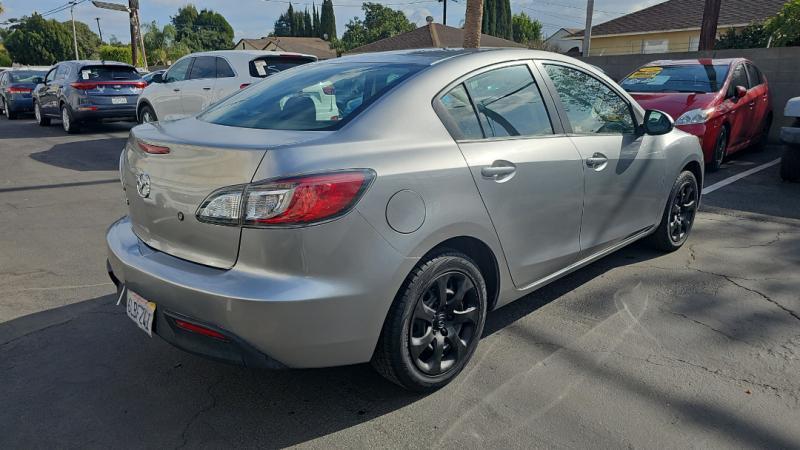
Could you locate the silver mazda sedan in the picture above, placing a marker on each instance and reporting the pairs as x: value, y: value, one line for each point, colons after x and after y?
x: 376, y: 207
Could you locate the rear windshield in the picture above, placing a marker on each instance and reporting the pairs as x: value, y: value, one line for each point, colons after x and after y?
x: 700, y: 78
x: 108, y: 73
x: 268, y: 65
x: 25, y: 76
x: 319, y: 97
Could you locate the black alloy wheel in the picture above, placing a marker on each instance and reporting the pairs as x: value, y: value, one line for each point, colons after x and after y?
x: 682, y: 211
x: 444, y: 323
x: 720, y: 150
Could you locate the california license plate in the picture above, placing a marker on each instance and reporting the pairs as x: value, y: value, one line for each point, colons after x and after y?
x: 119, y: 100
x: 141, y: 312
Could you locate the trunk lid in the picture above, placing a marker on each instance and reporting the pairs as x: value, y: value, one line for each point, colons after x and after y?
x: 202, y: 158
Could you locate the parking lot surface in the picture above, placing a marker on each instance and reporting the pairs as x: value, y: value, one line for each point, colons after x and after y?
x: 697, y: 348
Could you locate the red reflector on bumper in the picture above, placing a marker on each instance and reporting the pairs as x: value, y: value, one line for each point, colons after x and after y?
x: 194, y: 328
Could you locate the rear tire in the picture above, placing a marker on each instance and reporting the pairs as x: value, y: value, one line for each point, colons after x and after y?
x: 10, y: 115
x: 68, y: 122
x: 425, y: 343
x: 147, y: 115
x: 720, y: 150
x: 40, y: 118
x: 678, y: 216
x: 790, y: 163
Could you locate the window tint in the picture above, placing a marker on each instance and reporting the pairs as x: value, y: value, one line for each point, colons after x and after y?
x: 755, y: 76
x: 108, y: 73
x: 591, y: 106
x: 178, y: 70
x: 224, y: 69
x: 509, y: 103
x: 204, y: 67
x: 459, y: 116
x: 268, y: 65
x: 321, y: 97
x: 739, y: 78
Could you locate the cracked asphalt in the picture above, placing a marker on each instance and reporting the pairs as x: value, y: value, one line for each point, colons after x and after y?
x: 698, y: 348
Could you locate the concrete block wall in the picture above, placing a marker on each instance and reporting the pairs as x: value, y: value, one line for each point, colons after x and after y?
x: 780, y: 65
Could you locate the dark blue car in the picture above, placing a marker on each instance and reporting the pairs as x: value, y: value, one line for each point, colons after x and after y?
x: 78, y: 92
x: 16, y: 86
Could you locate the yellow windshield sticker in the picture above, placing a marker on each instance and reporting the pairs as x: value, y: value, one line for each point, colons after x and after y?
x: 646, y: 72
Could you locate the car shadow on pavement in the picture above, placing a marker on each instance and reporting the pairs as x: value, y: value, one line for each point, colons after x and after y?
x: 26, y: 128
x: 84, y: 155
x: 88, y: 375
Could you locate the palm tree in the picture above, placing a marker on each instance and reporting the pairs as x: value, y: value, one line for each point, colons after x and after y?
x: 472, y: 23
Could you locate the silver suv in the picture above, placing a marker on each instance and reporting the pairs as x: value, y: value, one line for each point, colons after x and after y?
x: 269, y: 232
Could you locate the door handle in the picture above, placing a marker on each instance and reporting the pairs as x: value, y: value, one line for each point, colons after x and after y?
x: 597, y: 161
x: 499, y: 170
x: 206, y: 88
x: 176, y: 90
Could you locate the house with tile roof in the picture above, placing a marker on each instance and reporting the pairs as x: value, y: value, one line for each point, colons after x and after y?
x: 672, y: 26
x: 431, y: 35
x: 306, y: 45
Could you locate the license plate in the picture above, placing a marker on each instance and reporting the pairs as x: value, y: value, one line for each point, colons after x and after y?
x: 119, y: 100
x: 141, y: 312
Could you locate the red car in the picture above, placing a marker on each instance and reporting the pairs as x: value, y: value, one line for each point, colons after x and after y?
x: 724, y: 102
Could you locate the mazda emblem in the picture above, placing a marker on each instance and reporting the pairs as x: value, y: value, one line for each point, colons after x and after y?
x: 143, y: 184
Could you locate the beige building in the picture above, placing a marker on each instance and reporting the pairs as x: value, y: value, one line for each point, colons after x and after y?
x: 306, y: 45
x: 672, y: 26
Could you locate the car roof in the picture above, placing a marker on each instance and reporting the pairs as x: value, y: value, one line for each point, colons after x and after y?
x: 432, y: 56
x: 249, y: 54
x: 96, y: 62
x: 691, y: 62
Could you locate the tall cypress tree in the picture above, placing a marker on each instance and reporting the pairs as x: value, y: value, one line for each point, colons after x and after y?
x: 328, y: 20
x: 292, y: 22
x: 315, y: 21
x: 489, y: 22
x: 308, y: 25
x: 497, y: 19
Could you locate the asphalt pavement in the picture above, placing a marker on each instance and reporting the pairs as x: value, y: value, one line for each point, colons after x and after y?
x: 698, y: 348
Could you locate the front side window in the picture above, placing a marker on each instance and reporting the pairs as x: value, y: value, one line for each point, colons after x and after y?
x: 459, y: 115
x: 591, y: 106
x: 50, y: 76
x: 178, y: 71
x: 755, y: 76
x: 738, y: 78
x: 203, y: 67
x: 62, y: 71
x: 509, y: 103
x: 321, y: 97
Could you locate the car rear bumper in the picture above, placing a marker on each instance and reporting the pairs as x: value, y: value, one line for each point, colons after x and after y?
x: 19, y: 104
x: 89, y: 112
x: 274, y: 319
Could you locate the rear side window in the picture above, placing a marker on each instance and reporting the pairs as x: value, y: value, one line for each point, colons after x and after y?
x: 509, y: 103
x: 322, y: 97
x: 204, y: 67
x: 224, y: 69
x: 268, y: 65
x: 591, y: 106
x: 107, y: 73
x: 458, y: 115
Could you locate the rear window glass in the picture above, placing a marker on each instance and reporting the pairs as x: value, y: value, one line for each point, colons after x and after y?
x: 268, y: 65
x: 702, y: 78
x: 25, y: 76
x: 459, y: 116
x: 108, y: 73
x: 321, y: 97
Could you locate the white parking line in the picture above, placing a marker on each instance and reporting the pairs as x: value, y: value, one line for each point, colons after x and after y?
x: 738, y: 176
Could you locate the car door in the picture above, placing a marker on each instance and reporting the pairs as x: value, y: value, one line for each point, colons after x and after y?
x: 198, y: 89
x: 526, y: 169
x: 226, y: 83
x: 758, y: 100
x: 166, y: 101
x: 624, y: 169
x: 739, y: 113
x: 46, y: 92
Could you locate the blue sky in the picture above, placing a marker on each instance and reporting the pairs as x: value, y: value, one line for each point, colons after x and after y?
x: 254, y: 18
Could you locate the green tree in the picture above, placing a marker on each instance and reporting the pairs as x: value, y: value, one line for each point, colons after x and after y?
x: 160, y: 44
x: 201, y: 31
x: 315, y: 21
x: 497, y: 19
x: 308, y: 24
x: 379, y: 22
x: 751, y: 36
x: 525, y: 29
x: 88, y: 40
x: 328, y: 20
x: 36, y: 41
x: 115, y: 53
x: 5, y: 58
x: 784, y: 28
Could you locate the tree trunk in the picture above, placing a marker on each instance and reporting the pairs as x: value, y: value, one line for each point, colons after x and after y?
x: 472, y: 23
x: 708, y: 31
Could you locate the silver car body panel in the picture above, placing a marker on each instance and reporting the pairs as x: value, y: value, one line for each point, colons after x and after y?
x: 318, y: 295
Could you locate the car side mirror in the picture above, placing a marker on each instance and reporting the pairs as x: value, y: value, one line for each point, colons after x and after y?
x: 657, y: 122
x: 157, y: 78
x: 741, y: 91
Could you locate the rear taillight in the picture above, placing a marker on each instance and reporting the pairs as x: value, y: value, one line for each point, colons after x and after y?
x: 92, y: 85
x: 244, y: 85
x: 199, y: 329
x: 292, y: 201
x: 19, y: 90
x: 152, y: 149
x: 329, y: 89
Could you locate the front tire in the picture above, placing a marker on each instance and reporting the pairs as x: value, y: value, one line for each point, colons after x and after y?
x: 434, y: 324
x: 147, y: 115
x: 678, y: 217
x: 40, y: 118
x: 68, y: 121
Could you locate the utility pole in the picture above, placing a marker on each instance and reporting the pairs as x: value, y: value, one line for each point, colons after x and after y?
x: 133, y: 5
x: 98, y: 28
x: 444, y: 12
x: 708, y: 30
x: 74, y: 33
x: 587, y: 32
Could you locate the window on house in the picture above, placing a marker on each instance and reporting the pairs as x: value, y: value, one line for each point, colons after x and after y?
x: 655, y: 46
